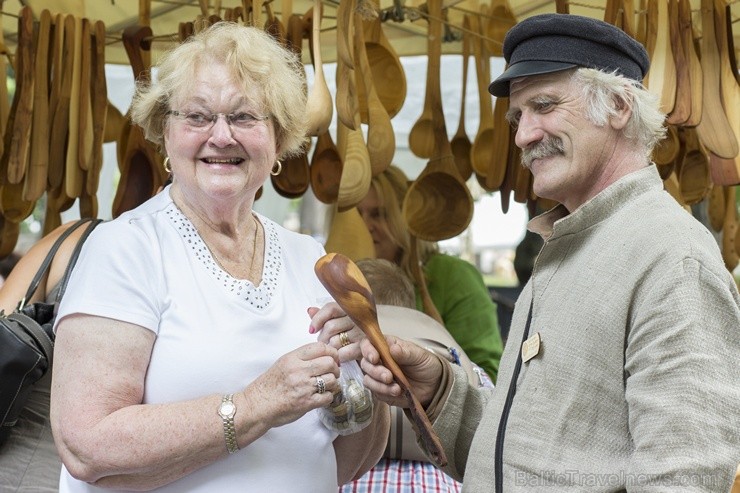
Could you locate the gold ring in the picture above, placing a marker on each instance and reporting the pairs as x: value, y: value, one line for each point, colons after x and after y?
x: 344, y: 339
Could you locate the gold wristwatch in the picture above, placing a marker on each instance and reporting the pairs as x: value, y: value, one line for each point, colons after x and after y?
x: 227, y: 411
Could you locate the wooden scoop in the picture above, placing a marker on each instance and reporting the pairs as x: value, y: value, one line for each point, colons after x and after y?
x: 38, y: 166
x: 292, y: 181
x: 481, y: 153
x: 682, y: 107
x: 696, y: 78
x: 345, y: 282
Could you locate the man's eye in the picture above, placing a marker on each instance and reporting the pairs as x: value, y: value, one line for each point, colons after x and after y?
x: 197, y: 119
x: 544, y: 105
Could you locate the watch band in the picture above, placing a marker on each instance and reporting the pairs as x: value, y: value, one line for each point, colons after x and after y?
x: 227, y: 411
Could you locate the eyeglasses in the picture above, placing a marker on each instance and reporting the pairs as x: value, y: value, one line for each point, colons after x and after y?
x: 203, y: 122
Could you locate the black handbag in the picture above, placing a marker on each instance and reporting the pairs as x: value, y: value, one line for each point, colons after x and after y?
x: 27, y: 338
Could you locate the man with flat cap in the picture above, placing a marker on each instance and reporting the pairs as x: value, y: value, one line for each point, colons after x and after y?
x: 621, y: 370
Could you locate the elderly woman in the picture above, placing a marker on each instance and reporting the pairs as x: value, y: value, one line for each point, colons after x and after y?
x: 186, y: 359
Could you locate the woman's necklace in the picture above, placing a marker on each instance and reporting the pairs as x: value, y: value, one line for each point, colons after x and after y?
x: 251, y: 272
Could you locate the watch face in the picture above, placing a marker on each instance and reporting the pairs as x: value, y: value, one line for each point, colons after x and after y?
x: 227, y: 409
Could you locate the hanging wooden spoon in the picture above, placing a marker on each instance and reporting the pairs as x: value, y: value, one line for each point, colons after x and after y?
x: 345, y: 25
x: 439, y: 191
x: 460, y: 143
x: 20, y: 132
x: 100, y: 108
x: 661, y: 78
x: 319, y: 107
x: 381, y: 139
x: 345, y: 282
x: 292, y: 181
x: 716, y: 207
x: 693, y: 175
x: 482, y: 151
x: 356, y: 172
x: 729, y: 231
x: 73, y: 179
x: 696, y: 78
x: 682, y: 107
x: 714, y: 129
x: 499, y: 21
x: 389, y: 78
x: 326, y: 169
x: 38, y: 166
x: 729, y: 85
x: 349, y: 236
x: 421, y: 136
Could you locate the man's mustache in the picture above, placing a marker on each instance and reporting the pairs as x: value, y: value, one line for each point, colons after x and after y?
x: 544, y: 148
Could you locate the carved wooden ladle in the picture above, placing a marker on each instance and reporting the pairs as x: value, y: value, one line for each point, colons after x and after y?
x: 348, y: 286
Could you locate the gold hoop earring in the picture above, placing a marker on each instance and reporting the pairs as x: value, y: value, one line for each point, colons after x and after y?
x: 279, y: 167
x: 166, y: 165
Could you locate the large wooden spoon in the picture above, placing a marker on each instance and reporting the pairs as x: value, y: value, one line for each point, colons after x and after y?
x: 348, y: 286
x: 61, y: 90
x: 682, y: 107
x: 73, y: 179
x: 661, y: 78
x: 100, y: 108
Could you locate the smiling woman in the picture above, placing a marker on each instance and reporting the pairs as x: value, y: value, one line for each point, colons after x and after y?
x: 168, y: 300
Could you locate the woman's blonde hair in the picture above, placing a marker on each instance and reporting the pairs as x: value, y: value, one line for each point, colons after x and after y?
x: 253, y: 57
x: 391, y: 186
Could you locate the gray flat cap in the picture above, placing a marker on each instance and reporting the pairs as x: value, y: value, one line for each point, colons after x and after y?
x: 553, y: 42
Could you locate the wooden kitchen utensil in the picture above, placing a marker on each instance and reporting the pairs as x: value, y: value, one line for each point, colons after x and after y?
x: 292, y: 181
x: 356, y: 172
x: 381, y: 139
x: 20, y: 132
x: 73, y: 179
x: 500, y: 20
x: 319, y: 107
x: 693, y: 173
x: 714, y: 129
x: 349, y: 236
x: 38, y: 165
x: 389, y: 78
x: 716, y: 208
x: 661, y: 78
x: 729, y: 231
x: 682, y: 106
x: 325, y: 169
x: 99, y: 102
x: 481, y: 153
x: 438, y: 191
x: 61, y: 91
x: 349, y: 288
x: 460, y: 143
x: 696, y: 77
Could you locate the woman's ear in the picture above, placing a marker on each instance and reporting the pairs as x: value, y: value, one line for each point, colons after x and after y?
x: 623, y: 113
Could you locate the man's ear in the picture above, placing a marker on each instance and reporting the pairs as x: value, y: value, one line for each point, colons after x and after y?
x: 623, y: 110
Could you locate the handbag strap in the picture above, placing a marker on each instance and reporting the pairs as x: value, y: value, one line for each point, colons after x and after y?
x: 73, y: 258
x: 46, y: 264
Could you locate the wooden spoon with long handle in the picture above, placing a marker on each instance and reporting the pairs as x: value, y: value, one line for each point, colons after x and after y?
x: 682, y: 106
x: 73, y: 179
x: 460, y: 143
x: 349, y: 288
x: 729, y: 85
x: 482, y: 143
x: 100, y: 107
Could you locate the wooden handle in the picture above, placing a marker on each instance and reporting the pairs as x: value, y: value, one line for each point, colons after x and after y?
x: 24, y: 69
x: 99, y: 89
x: 345, y: 282
x: 39, y: 161
x: 73, y: 179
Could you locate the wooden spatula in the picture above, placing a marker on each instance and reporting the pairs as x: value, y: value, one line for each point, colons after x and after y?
x: 348, y: 286
x: 38, y: 166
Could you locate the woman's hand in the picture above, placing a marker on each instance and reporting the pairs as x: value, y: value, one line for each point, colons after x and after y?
x: 422, y: 369
x: 290, y: 387
x: 336, y: 329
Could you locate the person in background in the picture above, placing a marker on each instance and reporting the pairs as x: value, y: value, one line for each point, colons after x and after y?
x: 29, y: 459
x: 455, y: 286
x: 622, y: 360
x: 7, y: 264
x: 185, y: 358
x: 404, y: 468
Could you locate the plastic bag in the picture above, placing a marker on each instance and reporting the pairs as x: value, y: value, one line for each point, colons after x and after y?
x: 351, y: 410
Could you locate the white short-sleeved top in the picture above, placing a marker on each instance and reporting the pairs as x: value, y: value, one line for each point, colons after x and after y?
x: 215, y: 333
